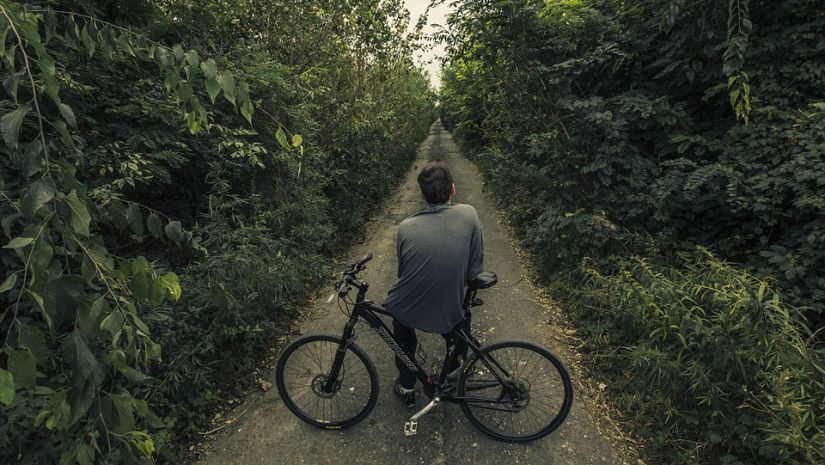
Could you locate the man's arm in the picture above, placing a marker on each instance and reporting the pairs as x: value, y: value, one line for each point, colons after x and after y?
x: 398, y: 252
x: 476, y: 264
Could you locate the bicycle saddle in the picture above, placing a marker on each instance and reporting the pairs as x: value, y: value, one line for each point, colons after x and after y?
x: 484, y: 280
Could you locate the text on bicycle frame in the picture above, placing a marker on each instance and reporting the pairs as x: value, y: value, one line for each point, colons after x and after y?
x: 399, y: 352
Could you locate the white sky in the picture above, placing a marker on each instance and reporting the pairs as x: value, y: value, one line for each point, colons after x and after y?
x: 438, y: 15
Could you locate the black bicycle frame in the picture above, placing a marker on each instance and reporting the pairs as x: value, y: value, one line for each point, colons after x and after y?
x: 367, y: 310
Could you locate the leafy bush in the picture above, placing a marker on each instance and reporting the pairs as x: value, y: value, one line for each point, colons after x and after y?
x: 602, y: 123
x: 625, y: 112
x: 707, y: 357
x: 156, y: 234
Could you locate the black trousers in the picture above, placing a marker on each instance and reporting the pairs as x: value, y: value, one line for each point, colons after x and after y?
x: 409, y: 342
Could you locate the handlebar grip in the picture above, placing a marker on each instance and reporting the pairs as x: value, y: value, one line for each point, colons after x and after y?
x: 364, y: 260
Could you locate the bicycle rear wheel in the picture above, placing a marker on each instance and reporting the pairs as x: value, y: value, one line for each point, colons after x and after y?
x: 515, y: 391
x: 302, y: 378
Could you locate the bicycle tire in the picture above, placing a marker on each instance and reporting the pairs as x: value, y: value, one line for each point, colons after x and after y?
x: 496, y: 405
x: 304, y: 367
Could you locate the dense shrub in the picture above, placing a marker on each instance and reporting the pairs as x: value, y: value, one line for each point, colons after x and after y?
x: 708, y: 358
x: 175, y: 176
x: 603, y: 123
x: 622, y: 112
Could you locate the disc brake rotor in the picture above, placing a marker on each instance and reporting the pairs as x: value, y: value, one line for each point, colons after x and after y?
x: 318, y: 384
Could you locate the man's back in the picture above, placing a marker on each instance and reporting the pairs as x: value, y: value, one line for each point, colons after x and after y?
x: 438, y: 249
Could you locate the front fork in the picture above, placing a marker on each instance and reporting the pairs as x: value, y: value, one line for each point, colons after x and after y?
x: 347, y: 338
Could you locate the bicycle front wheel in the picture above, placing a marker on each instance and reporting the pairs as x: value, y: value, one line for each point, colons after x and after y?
x: 515, y: 391
x: 303, y: 380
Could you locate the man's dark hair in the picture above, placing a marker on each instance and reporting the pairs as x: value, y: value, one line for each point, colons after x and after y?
x: 436, y: 182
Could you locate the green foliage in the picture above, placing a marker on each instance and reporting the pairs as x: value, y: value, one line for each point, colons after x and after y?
x: 616, y: 112
x: 708, y: 358
x: 739, y: 29
x: 599, y: 122
x: 161, y: 213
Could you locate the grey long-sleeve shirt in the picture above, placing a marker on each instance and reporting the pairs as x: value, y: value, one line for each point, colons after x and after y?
x: 439, y: 249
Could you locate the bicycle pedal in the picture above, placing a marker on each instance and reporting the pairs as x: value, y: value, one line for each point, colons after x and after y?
x: 411, y: 428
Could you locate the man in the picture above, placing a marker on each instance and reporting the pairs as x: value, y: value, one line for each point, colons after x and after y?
x: 439, y: 249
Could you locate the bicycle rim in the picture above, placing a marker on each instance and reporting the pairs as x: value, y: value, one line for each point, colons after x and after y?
x: 516, y: 391
x: 302, y: 375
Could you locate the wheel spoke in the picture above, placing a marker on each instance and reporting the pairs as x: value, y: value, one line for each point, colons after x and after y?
x: 530, y: 400
x: 303, y: 374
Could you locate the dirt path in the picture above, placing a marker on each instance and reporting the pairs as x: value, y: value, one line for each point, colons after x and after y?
x: 267, y: 433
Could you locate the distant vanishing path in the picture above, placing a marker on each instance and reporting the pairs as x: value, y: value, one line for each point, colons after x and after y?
x: 267, y: 433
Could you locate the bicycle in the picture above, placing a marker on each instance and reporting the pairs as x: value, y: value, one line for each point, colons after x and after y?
x: 330, y: 382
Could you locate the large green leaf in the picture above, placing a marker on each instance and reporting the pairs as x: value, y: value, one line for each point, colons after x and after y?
x: 124, y: 412
x: 10, y: 125
x: 23, y: 368
x: 80, y: 214
x: 174, y: 230
x: 280, y: 136
x: 172, y: 79
x: 246, y: 104
x: 18, y: 242
x: 4, y: 30
x: 6, y: 387
x: 68, y: 114
x: 102, y: 257
x: 33, y: 339
x: 154, y: 225
x: 38, y: 194
x: 56, y: 413
x: 11, y: 84
x: 113, y: 323
x: 136, y: 376
x: 89, y: 316
x: 85, y: 454
x: 8, y: 283
x: 193, y: 61
x: 172, y: 285
x: 65, y: 137
x: 178, y: 53
x: 210, y: 73
x: 80, y: 398
x: 213, y: 88
x: 48, y: 313
x: 50, y: 22
x: 87, y: 37
x: 7, y: 221
x: 210, y: 69
x: 32, y: 158
x: 227, y: 83
x: 117, y: 358
x: 42, y: 254
x: 79, y: 357
x: 48, y: 74
x: 135, y: 218
x: 41, y: 257
x: 157, y: 293
x: 140, y: 285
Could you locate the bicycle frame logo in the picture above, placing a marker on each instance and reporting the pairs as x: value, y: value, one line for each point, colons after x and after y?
x: 399, y: 352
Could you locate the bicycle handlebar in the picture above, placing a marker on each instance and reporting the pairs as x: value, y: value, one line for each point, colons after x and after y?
x: 349, y: 276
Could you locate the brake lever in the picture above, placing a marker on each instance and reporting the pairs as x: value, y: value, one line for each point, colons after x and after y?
x: 337, y: 287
